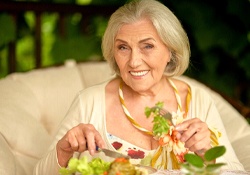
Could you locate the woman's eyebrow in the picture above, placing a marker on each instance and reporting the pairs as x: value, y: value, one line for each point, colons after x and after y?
x: 141, y: 41
x: 146, y: 39
x: 120, y: 40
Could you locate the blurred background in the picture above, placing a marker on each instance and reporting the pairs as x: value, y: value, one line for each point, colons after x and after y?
x: 35, y: 34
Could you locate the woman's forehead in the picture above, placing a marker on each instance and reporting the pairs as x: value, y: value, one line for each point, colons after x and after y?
x: 141, y: 29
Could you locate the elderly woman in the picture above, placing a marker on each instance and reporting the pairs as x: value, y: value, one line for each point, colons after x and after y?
x: 147, y: 47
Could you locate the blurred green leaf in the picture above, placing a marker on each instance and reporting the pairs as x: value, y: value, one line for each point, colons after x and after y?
x: 214, y: 153
x: 7, y: 29
x: 194, y: 160
x: 79, y: 48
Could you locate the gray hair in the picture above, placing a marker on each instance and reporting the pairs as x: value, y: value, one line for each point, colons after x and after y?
x: 168, y: 28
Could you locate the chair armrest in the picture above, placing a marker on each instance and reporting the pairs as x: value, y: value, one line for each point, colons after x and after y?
x: 238, y: 105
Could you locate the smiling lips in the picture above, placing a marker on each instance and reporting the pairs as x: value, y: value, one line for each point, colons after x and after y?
x: 139, y: 73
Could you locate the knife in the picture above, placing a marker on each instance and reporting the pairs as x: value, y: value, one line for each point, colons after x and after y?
x: 112, y: 154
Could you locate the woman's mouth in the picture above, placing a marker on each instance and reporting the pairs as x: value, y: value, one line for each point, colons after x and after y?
x: 138, y: 73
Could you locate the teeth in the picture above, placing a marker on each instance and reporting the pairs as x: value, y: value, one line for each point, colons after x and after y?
x: 141, y: 73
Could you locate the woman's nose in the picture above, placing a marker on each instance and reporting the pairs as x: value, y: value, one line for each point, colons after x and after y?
x: 135, y: 59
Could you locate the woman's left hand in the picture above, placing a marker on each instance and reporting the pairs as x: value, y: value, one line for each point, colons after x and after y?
x: 196, y: 135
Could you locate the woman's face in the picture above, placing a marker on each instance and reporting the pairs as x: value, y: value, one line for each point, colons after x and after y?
x: 140, y: 55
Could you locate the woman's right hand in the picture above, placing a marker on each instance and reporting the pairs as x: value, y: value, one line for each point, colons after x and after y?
x: 78, y: 139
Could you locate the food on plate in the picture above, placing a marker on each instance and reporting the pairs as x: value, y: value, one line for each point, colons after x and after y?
x: 122, y: 166
x: 97, y: 166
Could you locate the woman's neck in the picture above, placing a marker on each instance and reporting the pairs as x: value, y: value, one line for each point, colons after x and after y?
x: 162, y: 91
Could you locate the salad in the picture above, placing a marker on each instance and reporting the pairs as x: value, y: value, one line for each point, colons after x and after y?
x: 97, y: 166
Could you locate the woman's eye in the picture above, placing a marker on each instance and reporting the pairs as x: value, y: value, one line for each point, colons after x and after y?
x: 148, y: 46
x: 122, y: 47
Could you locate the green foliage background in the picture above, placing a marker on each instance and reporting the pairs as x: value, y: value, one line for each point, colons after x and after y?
x: 219, y: 32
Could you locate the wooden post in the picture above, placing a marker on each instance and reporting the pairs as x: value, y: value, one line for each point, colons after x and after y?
x: 38, y: 42
x: 12, y: 57
x: 12, y: 49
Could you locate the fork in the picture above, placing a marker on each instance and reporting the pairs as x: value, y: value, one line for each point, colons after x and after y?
x: 167, y: 115
x: 164, y: 113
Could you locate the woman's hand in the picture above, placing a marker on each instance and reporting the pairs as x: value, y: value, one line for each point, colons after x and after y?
x: 195, y: 134
x: 80, y: 138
